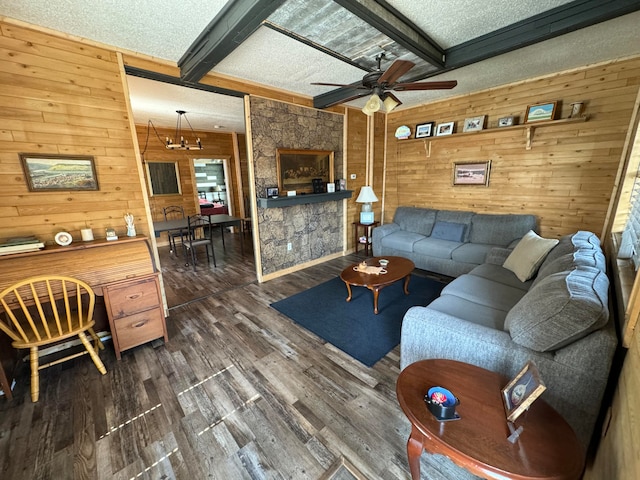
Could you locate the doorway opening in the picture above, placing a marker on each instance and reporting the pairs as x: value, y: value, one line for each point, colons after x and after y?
x: 211, y: 181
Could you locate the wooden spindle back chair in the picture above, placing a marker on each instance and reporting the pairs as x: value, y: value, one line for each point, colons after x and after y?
x: 40, y: 311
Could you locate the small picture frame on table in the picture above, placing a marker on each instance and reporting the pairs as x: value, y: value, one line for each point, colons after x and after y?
x: 522, y: 391
x: 425, y: 129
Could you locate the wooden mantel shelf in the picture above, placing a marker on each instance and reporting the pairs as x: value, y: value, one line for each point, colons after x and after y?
x: 77, y: 245
x: 285, y: 201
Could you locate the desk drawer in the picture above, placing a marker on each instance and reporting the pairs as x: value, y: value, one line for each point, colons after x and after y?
x: 133, y: 297
x: 140, y: 328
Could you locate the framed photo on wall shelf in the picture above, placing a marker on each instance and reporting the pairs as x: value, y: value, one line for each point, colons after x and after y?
x: 506, y: 121
x: 424, y: 129
x: 473, y: 124
x: 540, y: 112
x: 521, y: 392
x: 272, y: 192
x: 476, y: 173
x: 46, y: 173
x: 445, y: 128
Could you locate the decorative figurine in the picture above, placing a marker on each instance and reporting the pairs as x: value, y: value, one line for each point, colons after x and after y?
x: 131, y: 229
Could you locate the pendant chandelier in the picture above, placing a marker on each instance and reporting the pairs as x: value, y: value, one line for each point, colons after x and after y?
x: 183, y: 144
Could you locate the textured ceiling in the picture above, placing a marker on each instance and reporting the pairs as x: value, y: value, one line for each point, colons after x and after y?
x: 166, y: 28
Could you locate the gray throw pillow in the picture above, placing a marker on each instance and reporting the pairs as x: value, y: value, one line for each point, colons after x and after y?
x: 448, y: 231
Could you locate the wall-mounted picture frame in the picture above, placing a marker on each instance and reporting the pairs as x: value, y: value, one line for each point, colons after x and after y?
x: 46, y: 173
x: 297, y: 168
x: 472, y: 173
x: 506, y: 121
x: 540, y: 112
x: 164, y: 178
x: 473, y: 124
x: 445, y: 129
x: 271, y: 192
x: 424, y: 129
x: 522, y: 391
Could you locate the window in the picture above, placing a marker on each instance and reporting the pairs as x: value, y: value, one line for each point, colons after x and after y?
x: 164, y: 178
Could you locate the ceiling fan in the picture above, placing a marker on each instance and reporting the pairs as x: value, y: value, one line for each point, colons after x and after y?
x: 380, y: 84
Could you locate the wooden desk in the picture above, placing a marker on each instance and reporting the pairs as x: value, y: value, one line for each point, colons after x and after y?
x: 99, y: 263
x: 547, y: 448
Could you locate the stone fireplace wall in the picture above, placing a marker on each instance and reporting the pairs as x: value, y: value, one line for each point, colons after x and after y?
x: 314, y: 230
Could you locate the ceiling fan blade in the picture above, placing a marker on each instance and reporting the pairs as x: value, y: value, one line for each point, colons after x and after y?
x: 395, y: 71
x: 332, y: 84
x: 335, y: 97
x: 444, y: 85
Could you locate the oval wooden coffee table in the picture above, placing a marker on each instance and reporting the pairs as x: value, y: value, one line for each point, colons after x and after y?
x: 398, y: 268
x: 546, y: 449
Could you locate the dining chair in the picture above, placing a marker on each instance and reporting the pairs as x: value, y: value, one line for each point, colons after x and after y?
x: 200, y: 233
x: 174, y: 212
x: 43, y: 310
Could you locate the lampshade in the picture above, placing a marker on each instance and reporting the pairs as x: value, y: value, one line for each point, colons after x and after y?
x: 390, y: 103
x: 366, y: 195
x: 372, y: 105
x: 217, y: 188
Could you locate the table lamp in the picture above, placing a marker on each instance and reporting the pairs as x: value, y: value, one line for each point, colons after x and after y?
x: 366, y: 198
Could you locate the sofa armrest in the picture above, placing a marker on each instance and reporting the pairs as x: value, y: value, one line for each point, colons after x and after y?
x: 498, y: 255
x: 379, y: 233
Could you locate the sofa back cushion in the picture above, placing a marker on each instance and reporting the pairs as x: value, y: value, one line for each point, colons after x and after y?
x: 560, y: 309
x: 581, y: 240
x: 416, y: 220
x: 580, y: 258
x: 500, y: 230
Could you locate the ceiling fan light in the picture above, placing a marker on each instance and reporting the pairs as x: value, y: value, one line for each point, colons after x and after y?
x: 390, y: 103
x: 372, y: 105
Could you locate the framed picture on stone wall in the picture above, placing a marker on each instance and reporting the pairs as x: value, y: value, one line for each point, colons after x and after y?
x: 296, y: 169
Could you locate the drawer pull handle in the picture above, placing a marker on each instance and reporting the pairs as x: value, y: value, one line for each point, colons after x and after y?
x: 134, y: 296
x: 140, y: 324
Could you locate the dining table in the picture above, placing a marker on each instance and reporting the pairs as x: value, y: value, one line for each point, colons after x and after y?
x: 221, y: 220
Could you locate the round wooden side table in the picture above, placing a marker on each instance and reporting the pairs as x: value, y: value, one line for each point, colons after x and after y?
x: 546, y: 449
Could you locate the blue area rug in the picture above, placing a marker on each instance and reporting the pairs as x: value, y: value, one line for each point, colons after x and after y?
x: 352, y: 326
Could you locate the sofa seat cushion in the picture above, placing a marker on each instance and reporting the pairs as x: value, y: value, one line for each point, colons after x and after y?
x: 500, y: 230
x: 434, y: 247
x: 471, y: 253
x: 561, y: 309
x: 401, y: 240
x: 470, y: 311
x: 415, y: 220
x: 500, y: 274
x: 529, y: 254
x: 484, y: 292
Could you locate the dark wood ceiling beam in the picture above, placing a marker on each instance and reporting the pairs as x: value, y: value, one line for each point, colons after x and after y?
x: 396, y: 26
x: 161, y: 77
x: 235, y: 22
x: 552, y: 23
x: 339, y: 95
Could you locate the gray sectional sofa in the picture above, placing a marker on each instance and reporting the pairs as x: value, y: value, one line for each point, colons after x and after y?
x: 559, y: 319
x: 448, y: 242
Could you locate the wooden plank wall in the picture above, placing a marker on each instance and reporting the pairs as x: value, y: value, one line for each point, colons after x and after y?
x: 216, y: 145
x: 567, y: 177
x: 59, y: 96
x: 618, y: 455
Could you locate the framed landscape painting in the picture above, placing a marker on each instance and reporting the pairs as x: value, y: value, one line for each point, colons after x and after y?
x: 59, y: 172
x: 540, y: 112
x: 471, y: 173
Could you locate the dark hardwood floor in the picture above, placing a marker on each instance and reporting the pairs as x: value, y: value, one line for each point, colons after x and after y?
x: 238, y: 392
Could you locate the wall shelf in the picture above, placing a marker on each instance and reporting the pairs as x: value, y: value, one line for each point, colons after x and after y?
x: 529, y: 127
x: 285, y: 201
